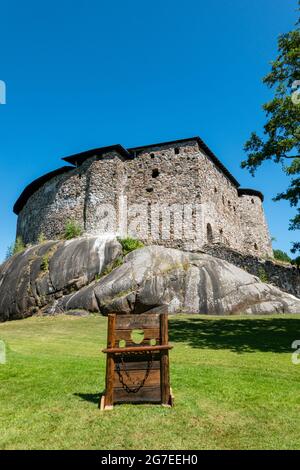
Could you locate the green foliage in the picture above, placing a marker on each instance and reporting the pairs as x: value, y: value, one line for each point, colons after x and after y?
x: 262, y: 274
x: 9, y: 252
x: 45, y: 263
x: 72, y: 230
x: 41, y: 238
x: 233, y: 379
x: 281, y: 141
x: 130, y: 244
x: 281, y: 256
x: 296, y: 261
x: 115, y: 264
x: 15, y: 248
x: 18, y: 246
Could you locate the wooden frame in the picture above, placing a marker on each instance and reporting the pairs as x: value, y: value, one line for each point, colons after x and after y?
x: 144, y: 365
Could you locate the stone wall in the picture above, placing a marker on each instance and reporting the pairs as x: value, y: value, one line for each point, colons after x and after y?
x: 256, y: 236
x: 178, y: 178
x: 286, y: 277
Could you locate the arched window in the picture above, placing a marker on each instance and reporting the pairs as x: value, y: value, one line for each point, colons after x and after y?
x: 176, y: 150
x: 255, y: 246
x: 209, y: 233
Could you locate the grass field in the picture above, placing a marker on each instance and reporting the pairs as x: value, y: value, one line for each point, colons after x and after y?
x: 234, y: 383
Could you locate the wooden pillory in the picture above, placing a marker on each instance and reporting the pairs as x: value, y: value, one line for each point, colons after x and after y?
x: 137, y: 361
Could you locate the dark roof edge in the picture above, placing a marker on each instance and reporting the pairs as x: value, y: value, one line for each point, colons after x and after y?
x: 37, y: 184
x: 79, y: 158
x: 202, y: 146
x: 250, y: 192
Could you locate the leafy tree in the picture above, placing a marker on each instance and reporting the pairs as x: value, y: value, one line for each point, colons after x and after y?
x: 281, y: 141
x: 15, y: 248
x: 281, y: 256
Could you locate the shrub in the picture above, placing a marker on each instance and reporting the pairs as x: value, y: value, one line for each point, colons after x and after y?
x: 296, y: 261
x: 281, y: 256
x: 115, y: 264
x: 130, y: 244
x: 41, y: 238
x: 15, y: 248
x: 45, y: 263
x: 262, y: 275
x: 72, y: 230
x: 18, y: 246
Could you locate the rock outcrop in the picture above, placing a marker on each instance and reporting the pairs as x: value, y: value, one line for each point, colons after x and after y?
x: 76, y: 275
x: 42, y: 274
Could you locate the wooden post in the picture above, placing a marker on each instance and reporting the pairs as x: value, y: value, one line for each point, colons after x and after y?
x: 164, y: 369
x: 110, y: 363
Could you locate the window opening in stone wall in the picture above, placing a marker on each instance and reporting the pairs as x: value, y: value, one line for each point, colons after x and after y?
x: 152, y: 155
x: 176, y: 150
x: 255, y: 246
x: 252, y: 200
x: 149, y: 190
x: 209, y: 233
x: 155, y: 173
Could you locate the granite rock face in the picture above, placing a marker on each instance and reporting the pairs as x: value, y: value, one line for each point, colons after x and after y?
x: 186, y: 282
x: 148, y: 278
x: 43, y: 273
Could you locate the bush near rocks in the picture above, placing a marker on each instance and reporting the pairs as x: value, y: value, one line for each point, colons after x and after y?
x: 130, y: 244
x: 72, y: 230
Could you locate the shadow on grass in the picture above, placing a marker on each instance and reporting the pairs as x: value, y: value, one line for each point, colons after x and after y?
x: 91, y: 397
x: 245, y: 335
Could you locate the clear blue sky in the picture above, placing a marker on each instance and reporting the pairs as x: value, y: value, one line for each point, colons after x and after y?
x: 86, y: 74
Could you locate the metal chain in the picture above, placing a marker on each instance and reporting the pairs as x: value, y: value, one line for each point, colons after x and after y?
x: 142, y: 383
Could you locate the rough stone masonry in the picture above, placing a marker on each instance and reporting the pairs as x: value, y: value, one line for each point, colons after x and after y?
x: 177, y: 173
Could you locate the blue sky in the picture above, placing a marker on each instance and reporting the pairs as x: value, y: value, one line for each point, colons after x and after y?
x: 86, y: 74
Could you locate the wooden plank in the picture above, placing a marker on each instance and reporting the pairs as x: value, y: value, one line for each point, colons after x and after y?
x: 136, y: 349
x: 130, y: 344
x: 149, y: 333
x: 125, y: 322
x: 139, y: 365
x: 137, y: 376
x: 139, y: 361
x: 110, y: 363
x: 145, y: 395
x: 165, y: 378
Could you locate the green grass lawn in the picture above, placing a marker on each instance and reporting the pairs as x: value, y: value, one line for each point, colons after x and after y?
x: 234, y: 383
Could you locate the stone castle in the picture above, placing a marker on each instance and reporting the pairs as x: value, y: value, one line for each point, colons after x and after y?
x: 181, y: 172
